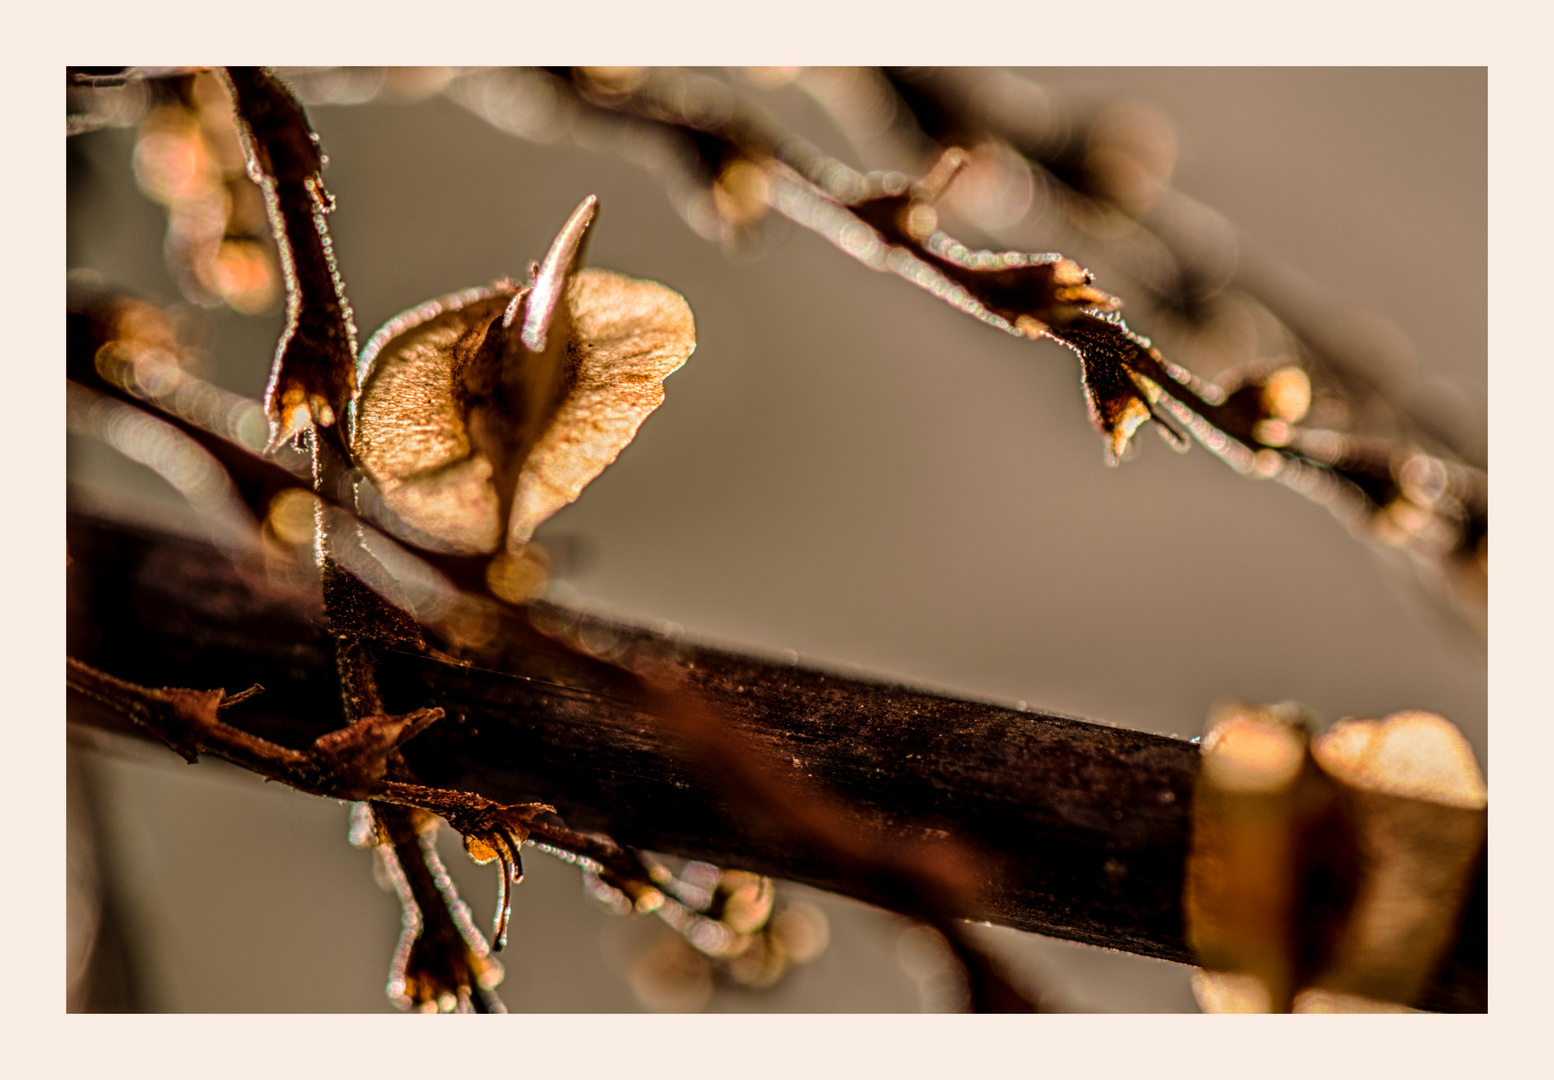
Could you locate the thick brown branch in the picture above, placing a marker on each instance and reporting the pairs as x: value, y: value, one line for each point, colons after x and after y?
x: 935, y: 879
x: 1083, y: 828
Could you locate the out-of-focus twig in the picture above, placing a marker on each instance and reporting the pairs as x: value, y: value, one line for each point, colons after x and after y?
x: 728, y: 165
x: 1101, y: 172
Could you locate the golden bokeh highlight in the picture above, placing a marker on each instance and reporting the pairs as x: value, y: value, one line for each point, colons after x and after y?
x: 1287, y: 395
x: 188, y: 157
x: 742, y: 193
x: 519, y: 576
x: 291, y: 516
x: 1416, y: 755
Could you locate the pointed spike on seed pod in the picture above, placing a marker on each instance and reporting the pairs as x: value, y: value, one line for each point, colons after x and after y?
x: 550, y: 280
x: 430, y: 430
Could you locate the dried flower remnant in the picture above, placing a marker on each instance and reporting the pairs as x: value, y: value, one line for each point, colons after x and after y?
x: 1258, y: 797
x: 1419, y: 803
x: 484, y: 412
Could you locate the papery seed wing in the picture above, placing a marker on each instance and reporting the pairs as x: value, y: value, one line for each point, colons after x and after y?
x: 628, y: 335
x: 408, y: 430
x: 410, y: 424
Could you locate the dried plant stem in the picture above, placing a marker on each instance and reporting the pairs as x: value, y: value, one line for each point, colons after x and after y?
x: 706, y: 719
x: 1083, y: 827
x: 956, y: 108
x: 934, y: 880
x: 312, y: 383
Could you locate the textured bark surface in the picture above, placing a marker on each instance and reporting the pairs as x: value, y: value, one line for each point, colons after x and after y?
x: 1083, y: 827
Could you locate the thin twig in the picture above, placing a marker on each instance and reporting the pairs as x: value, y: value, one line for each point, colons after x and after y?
x: 948, y: 107
x: 1388, y: 491
x: 311, y: 385
x: 314, y: 375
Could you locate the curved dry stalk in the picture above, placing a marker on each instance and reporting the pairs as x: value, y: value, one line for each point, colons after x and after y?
x: 313, y: 377
x: 312, y: 382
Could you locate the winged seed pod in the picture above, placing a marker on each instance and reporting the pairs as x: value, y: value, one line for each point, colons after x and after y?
x: 484, y: 412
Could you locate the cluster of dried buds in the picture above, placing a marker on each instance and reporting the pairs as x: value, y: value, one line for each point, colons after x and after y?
x: 728, y: 925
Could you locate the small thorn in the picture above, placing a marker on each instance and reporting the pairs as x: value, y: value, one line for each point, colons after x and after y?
x: 240, y: 696
x: 417, y: 722
x: 515, y: 308
x: 550, y: 279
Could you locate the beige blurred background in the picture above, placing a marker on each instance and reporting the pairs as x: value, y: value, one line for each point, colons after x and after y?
x: 852, y: 470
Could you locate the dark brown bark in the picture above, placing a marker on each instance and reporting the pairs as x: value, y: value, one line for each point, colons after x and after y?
x: 1082, y: 828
